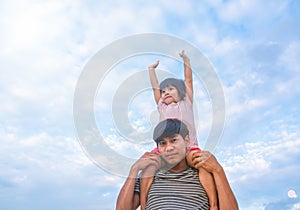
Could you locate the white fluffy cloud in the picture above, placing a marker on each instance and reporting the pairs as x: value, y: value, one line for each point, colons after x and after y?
x: 45, y: 45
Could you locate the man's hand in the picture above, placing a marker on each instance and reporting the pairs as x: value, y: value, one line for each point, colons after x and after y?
x: 207, y: 161
x: 146, y: 160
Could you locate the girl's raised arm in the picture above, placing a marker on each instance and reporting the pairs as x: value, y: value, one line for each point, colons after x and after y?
x: 154, y: 81
x: 188, y: 75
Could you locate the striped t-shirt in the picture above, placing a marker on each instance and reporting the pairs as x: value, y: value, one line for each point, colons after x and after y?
x: 170, y: 191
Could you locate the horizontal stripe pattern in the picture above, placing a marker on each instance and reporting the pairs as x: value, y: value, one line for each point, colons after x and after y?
x: 170, y: 191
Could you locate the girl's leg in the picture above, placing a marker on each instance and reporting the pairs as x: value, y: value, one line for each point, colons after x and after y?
x: 145, y: 184
x: 206, y: 179
x: 208, y: 183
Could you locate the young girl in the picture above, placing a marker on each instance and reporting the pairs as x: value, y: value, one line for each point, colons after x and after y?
x: 174, y: 99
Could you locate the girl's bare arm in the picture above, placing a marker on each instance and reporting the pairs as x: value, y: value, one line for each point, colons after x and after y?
x: 188, y: 75
x: 154, y: 81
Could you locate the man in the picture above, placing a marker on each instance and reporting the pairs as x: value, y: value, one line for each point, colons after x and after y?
x: 175, y: 185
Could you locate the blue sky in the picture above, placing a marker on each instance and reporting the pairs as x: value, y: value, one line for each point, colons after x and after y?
x: 254, y: 47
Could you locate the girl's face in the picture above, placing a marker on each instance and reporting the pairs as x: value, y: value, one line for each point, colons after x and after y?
x: 170, y: 95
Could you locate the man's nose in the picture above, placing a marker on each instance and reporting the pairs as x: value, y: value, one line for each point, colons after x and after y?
x: 169, y: 146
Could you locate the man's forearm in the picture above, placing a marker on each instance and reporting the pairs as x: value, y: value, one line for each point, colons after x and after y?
x: 126, y: 198
x: 227, y: 200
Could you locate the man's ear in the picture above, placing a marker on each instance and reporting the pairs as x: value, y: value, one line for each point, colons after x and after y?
x: 187, y: 141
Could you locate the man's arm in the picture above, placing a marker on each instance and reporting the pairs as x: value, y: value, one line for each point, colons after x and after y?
x: 128, y: 199
x: 227, y: 200
x: 206, y: 160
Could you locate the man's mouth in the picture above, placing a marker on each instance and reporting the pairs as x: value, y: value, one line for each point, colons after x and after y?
x: 171, y: 156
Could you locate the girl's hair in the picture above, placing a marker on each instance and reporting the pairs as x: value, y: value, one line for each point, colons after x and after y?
x: 177, y: 83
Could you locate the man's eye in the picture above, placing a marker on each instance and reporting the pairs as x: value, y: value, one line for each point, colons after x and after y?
x: 162, y: 143
x: 174, y: 140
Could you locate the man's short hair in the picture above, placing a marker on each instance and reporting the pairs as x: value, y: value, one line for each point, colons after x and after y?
x: 169, y: 128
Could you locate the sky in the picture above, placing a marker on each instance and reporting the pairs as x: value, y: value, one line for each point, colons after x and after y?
x: 252, y: 46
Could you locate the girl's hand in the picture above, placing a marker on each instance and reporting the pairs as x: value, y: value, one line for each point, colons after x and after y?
x: 184, y: 56
x: 153, y: 66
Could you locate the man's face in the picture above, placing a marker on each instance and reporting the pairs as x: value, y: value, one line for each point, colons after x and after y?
x: 173, y: 149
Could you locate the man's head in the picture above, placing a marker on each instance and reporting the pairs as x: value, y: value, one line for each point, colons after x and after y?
x: 168, y: 128
x: 172, y: 139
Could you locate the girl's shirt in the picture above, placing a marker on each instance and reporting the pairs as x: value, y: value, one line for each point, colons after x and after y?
x: 182, y: 110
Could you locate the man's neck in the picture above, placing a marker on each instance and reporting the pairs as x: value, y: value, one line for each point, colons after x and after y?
x: 179, y: 167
